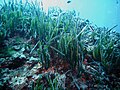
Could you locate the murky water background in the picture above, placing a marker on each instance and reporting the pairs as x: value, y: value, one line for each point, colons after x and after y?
x: 99, y: 12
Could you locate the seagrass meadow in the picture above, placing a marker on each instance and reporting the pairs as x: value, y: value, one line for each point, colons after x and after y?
x: 56, y: 50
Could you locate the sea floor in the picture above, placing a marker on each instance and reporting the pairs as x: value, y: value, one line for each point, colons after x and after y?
x: 20, y: 70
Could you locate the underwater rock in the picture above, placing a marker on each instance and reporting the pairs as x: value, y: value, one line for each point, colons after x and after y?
x: 18, y: 55
x: 17, y: 47
x: 13, y: 62
x: 19, y: 82
x: 33, y: 59
x: 35, y: 77
x: 22, y: 50
x: 16, y: 63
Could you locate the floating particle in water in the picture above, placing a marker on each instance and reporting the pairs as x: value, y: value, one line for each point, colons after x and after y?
x: 116, y: 1
x: 68, y: 1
